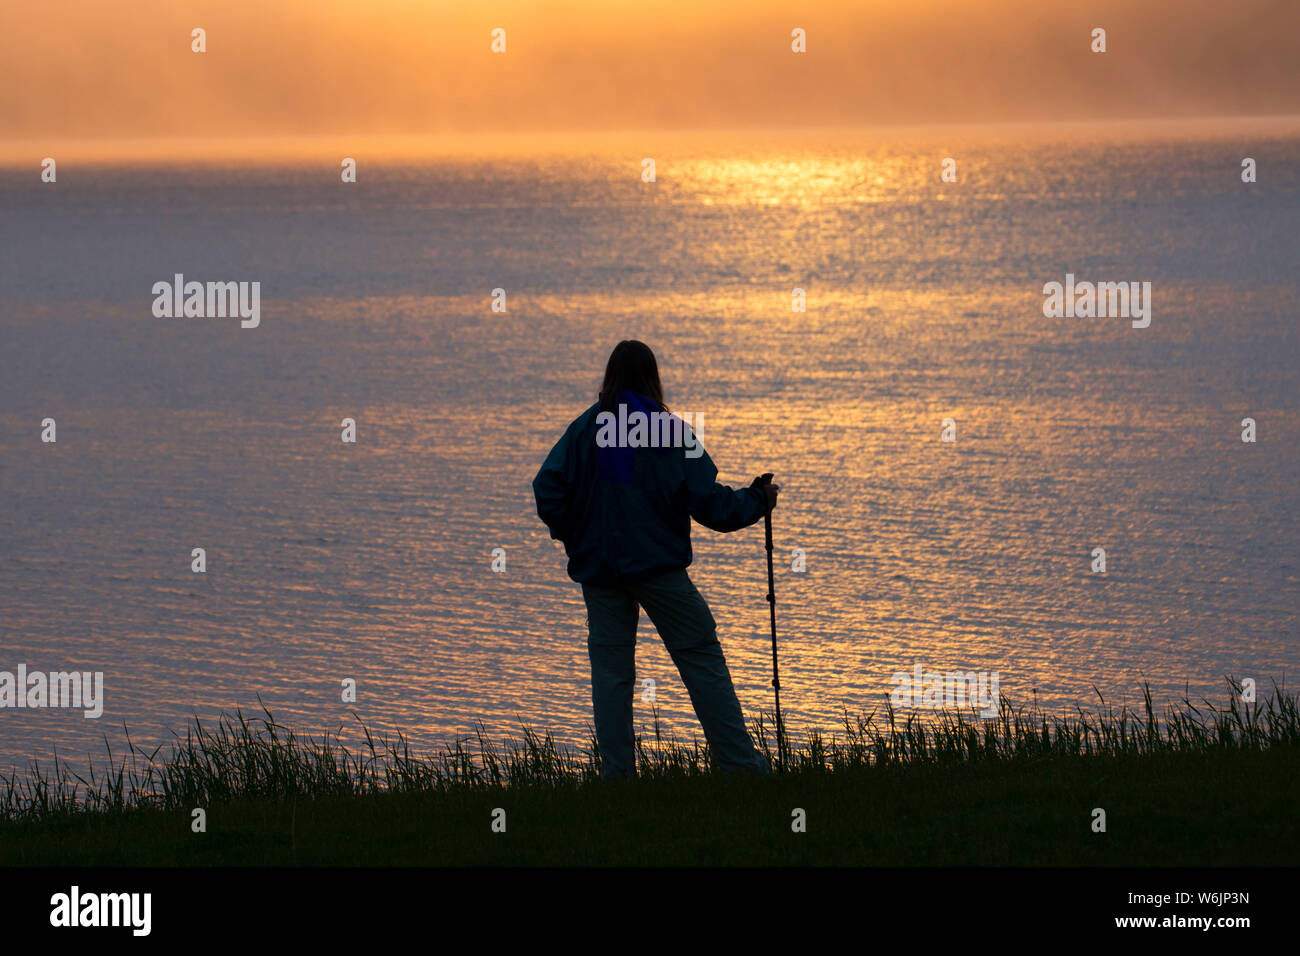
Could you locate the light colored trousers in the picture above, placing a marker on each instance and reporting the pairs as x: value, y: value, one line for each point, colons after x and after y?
x: 685, y: 623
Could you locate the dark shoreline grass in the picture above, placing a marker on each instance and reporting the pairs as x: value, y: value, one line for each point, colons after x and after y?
x: 1198, y: 786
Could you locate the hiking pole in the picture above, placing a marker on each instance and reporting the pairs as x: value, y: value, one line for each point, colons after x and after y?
x: 763, y: 481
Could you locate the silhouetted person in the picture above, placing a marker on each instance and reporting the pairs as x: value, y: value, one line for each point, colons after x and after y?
x: 623, y: 509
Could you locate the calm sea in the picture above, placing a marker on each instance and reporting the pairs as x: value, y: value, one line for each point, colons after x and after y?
x: 328, y: 561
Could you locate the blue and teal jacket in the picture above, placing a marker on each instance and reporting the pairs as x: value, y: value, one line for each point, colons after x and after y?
x: 624, y: 514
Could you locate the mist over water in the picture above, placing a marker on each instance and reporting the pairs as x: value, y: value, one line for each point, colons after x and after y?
x: 371, y: 561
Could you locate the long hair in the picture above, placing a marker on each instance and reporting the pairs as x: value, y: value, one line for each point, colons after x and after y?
x: 631, y: 366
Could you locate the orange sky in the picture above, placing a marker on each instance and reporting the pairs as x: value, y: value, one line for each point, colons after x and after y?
x: 89, y: 69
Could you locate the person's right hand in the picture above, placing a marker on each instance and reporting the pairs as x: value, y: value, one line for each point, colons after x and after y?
x: 769, y: 491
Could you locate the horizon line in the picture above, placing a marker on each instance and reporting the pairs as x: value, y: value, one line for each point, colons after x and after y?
x: 166, y: 147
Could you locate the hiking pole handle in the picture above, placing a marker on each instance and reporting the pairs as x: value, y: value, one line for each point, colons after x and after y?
x: 764, y: 480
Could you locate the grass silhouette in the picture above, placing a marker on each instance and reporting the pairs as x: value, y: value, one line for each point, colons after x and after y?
x: 1209, y: 785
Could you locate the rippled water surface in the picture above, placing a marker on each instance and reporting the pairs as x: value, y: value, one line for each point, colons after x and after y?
x: 372, y: 561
